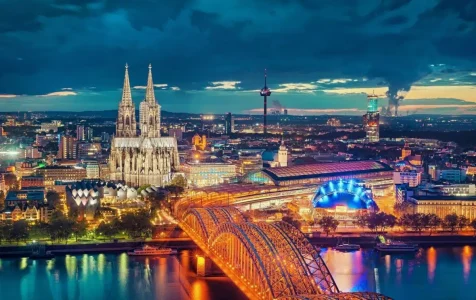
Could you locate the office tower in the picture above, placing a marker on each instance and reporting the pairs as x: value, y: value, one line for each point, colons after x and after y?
x: 229, y: 124
x: 80, y: 132
x: 88, y: 133
x: 371, y: 119
x: 66, y: 148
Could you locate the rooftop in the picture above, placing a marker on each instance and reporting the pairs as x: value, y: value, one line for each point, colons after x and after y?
x: 26, y: 195
x: 326, y: 169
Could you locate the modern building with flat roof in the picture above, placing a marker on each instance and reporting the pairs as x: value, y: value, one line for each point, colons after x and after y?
x: 443, y: 205
x: 323, y: 172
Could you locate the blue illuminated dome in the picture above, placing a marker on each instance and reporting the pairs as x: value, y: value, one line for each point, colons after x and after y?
x: 344, y: 193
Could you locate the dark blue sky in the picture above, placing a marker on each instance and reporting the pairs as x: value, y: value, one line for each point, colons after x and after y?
x: 209, y: 55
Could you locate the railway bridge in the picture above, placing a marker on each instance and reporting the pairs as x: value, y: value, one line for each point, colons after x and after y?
x: 265, y: 260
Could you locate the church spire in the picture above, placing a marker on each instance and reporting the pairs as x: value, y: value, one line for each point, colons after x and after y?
x: 126, y: 90
x: 149, y: 95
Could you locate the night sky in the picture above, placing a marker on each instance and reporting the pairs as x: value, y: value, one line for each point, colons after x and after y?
x: 209, y: 55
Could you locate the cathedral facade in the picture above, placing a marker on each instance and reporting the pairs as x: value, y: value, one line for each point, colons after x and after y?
x: 144, y: 158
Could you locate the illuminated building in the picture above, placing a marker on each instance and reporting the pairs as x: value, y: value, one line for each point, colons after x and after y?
x: 31, y: 152
x: 148, y: 158
x: 283, y: 155
x: 200, y: 143
x: 371, y: 120
x: 88, y: 133
x: 406, y: 151
x: 274, y: 159
x: 80, y: 133
x: 88, y: 150
x: 443, y: 205
x: 333, y: 122
x: 59, y: 173
x: 206, y: 174
x: 30, y: 196
x: 66, y: 148
x: 343, y: 200
x: 412, y: 177
x: 265, y: 93
x: 47, y: 127
x: 454, y: 175
x: 92, y: 170
x: 248, y: 162
x: 432, y: 171
x: 2, y: 133
x: 373, y: 171
x: 2, y: 183
x: 32, y: 181
x: 229, y: 124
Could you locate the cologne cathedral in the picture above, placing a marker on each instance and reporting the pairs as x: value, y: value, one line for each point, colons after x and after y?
x: 144, y: 158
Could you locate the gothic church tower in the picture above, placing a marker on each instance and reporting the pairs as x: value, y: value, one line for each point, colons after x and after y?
x: 126, y: 119
x: 150, y: 111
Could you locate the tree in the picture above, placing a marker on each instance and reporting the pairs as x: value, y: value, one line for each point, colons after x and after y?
x: 328, y: 224
x: 418, y: 222
x: 5, y: 229
x: 463, y: 222
x: 405, y: 221
x: 473, y: 225
x: 39, y: 231
x: 19, y: 231
x: 361, y: 221
x: 180, y: 181
x: 292, y: 221
x: 11, y: 181
x: 108, y: 230
x: 175, y: 189
x: 2, y: 200
x: 61, y: 228
x: 433, y: 221
x: 80, y: 229
x: 451, y: 222
x: 402, y: 208
x: 53, y: 199
x: 157, y: 200
x: 137, y: 225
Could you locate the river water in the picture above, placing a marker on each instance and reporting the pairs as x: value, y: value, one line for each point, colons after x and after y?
x: 432, y: 273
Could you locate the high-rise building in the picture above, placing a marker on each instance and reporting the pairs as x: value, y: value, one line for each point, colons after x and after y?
x: 88, y: 133
x: 148, y: 158
x: 229, y: 124
x: 66, y: 147
x: 265, y: 93
x: 105, y: 137
x: 371, y: 120
x: 80, y: 132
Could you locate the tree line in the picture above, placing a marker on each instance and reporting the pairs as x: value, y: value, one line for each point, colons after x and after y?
x: 419, y: 222
x: 62, y: 228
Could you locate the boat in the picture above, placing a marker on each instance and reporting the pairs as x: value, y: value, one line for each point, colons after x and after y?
x: 147, y: 250
x: 395, y: 246
x: 347, y: 247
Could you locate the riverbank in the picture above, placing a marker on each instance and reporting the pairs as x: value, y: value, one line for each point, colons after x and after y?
x: 369, y: 241
x: 95, y: 247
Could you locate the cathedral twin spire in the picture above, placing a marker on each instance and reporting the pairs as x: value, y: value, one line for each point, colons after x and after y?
x: 149, y: 111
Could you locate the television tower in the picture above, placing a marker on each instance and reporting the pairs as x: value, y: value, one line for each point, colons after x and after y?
x: 265, y: 92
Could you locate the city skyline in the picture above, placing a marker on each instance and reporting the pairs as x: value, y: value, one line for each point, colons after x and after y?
x: 321, y: 57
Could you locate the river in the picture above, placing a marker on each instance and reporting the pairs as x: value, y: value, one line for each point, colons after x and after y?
x: 433, y: 273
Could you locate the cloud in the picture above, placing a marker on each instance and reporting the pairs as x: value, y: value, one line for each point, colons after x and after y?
x: 295, y: 87
x: 66, y: 89
x: 7, y: 96
x: 223, y: 85
x: 175, y: 88
x: 60, y: 94
x: 160, y: 85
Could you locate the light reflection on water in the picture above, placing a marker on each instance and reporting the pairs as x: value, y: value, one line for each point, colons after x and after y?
x: 108, y: 277
x: 434, y: 273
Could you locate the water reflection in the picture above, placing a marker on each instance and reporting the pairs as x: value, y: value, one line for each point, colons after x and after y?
x: 105, y: 276
x: 442, y: 273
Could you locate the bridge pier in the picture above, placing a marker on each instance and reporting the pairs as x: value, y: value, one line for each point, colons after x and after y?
x: 206, y: 267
